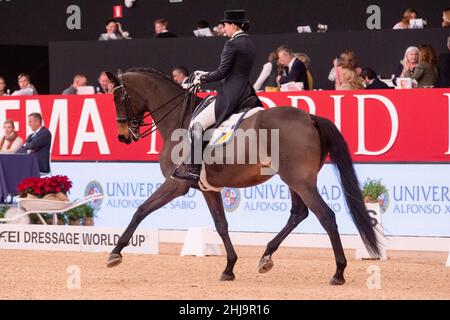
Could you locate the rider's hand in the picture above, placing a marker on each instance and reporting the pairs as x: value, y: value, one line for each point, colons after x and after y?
x: 197, y: 80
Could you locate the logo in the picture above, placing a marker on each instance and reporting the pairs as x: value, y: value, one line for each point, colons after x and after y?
x: 231, y: 198
x: 384, y: 201
x: 92, y: 188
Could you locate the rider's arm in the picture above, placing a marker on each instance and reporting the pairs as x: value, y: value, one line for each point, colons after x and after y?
x: 226, y: 61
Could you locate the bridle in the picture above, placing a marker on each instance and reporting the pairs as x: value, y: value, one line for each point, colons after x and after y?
x: 135, y: 122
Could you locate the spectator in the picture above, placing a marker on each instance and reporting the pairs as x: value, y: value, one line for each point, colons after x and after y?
x: 161, y: 29
x: 294, y: 70
x: 219, y: 30
x: 39, y: 142
x: 425, y: 72
x: 10, y: 142
x: 26, y: 88
x: 104, y: 84
x: 408, y: 15
x: 203, y: 29
x: 180, y: 75
x: 113, y: 31
x: 446, y: 18
x: 444, y: 68
x: 409, y: 62
x: 345, y: 72
x: 371, y: 81
x: 78, y: 81
x: 303, y: 57
x: 2, y: 87
x: 268, y: 75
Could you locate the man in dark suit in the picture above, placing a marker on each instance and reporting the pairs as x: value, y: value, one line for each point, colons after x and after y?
x: 371, y: 80
x: 443, y: 80
x: 294, y: 69
x: 38, y: 142
x: 161, y: 31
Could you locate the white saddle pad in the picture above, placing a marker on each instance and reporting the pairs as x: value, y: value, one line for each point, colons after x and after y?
x: 225, y: 133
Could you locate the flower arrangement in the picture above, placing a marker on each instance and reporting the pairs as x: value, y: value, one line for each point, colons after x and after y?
x: 372, y: 190
x: 41, y: 188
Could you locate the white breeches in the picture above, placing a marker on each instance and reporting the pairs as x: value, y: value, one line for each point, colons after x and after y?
x: 207, y: 117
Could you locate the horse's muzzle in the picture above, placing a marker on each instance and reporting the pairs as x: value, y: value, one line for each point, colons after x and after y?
x: 124, y: 140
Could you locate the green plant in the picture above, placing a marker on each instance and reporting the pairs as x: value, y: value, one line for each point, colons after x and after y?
x: 2, y: 211
x: 82, y: 212
x: 372, y: 190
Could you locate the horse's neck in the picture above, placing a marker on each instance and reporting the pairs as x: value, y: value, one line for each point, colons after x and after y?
x: 168, y: 118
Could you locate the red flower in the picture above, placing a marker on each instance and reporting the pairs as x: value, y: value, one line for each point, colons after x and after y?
x: 42, y: 186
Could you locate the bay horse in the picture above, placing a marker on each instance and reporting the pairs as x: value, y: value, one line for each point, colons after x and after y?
x: 305, y: 141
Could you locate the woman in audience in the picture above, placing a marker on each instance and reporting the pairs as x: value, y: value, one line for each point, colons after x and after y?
x: 113, y: 31
x: 425, y: 72
x: 268, y: 75
x: 10, y: 142
x: 446, y: 18
x: 408, y: 63
x: 303, y: 57
x: 346, y: 72
x: 409, y: 14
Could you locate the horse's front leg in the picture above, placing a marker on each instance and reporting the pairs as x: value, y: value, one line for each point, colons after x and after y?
x: 168, y: 191
x: 215, y: 205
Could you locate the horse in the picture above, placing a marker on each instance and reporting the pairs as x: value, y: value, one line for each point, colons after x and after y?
x: 305, y: 141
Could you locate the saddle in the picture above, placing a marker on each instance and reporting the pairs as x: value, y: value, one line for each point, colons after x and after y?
x: 224, y: 133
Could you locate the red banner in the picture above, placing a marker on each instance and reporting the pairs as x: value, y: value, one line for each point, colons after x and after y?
x: 379, y: 126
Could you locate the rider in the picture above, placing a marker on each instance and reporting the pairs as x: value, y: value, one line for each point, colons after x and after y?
x: 236, y: 63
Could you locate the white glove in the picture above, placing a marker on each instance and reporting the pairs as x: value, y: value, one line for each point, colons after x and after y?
x: 198, y: 75
x: 197, y: 80
x: 198, y: 72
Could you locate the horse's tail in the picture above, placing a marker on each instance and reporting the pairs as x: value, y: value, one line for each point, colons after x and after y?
x: 333, y: 143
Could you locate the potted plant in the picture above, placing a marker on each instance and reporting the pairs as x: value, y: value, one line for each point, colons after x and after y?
x: 2, y: 211
x: 51, y: 188
x: 82, y: 215
x: 372, y: 190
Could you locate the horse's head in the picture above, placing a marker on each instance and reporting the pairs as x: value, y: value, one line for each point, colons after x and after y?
x: 129, y: 109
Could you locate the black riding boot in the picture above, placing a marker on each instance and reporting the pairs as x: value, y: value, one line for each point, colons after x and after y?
x: 191, y: 171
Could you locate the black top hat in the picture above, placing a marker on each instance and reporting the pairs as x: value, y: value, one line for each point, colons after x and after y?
x: 235, y: 16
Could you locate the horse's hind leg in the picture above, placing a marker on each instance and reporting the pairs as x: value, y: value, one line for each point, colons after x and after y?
x: 215, y: 205
x: 299, y: 212
x: 307, y: 190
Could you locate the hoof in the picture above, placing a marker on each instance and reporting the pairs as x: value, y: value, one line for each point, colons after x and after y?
x: 227, y: 277
x: 265, y: 265
x: 337, y: 281
x: 114, y: 259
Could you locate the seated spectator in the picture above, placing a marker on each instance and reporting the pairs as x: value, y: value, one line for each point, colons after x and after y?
x: 113, y: 31
x: 446, y: 18
x: 219, y: 30
x: 26, y: 88
x: 104, y: 84
x: 294, y: 70
x: 303, y: 57
x: 371, y: 81
x: 78, y: 81
x: 268, y: 75
x: 409, y: 14
x: 2, y: 87
x: 39, y: 142
x: 203, y: 29
x: 180, y: 75
x: 345, y: 72
x: 443, y: 80
x: 10, y: 142
x: 409, y: 62
x: 161, y: 29
x: 425, y: 72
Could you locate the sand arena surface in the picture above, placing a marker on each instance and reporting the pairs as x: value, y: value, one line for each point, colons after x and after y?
x: 298, y: 274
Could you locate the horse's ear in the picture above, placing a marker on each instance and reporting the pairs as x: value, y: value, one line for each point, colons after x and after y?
x: 113, y: 78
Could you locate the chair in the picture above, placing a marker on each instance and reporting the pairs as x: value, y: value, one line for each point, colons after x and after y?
x: 38, y: 206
